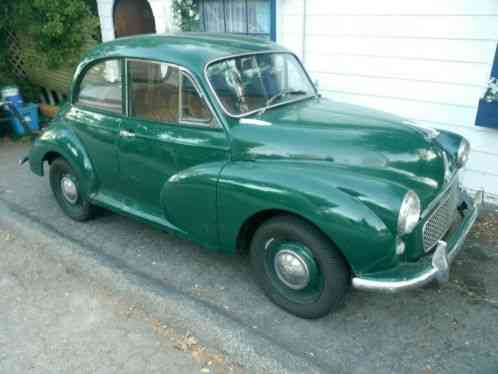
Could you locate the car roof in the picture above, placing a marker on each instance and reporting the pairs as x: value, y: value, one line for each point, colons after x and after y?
x: 192, y: 50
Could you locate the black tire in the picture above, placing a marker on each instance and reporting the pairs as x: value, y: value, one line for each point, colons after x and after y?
x: 334, y: 271
x: 80, y: 210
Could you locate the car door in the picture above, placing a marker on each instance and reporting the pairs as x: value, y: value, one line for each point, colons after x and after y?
x: 97, y: 113
x: 170, y: 129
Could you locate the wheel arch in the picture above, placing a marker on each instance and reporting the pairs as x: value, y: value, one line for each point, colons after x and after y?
x: 60, y: 142
x: 50, y: 156
x: 252, y: 223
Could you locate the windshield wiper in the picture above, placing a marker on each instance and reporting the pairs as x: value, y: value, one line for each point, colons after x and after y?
x: 284, y: 93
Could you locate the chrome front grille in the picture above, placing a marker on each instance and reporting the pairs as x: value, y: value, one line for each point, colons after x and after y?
x: 439, y: 222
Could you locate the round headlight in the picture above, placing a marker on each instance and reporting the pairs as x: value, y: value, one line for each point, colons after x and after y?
x: 409, y: 213
x: 463, y: 153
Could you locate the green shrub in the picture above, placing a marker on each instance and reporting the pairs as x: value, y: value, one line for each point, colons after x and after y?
x: 186, y: 14
x: 57, y: 29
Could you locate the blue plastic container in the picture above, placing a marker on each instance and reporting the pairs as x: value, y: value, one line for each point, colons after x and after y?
x: 12, y: 95
x: 30, y: 114
x: 487, y: 114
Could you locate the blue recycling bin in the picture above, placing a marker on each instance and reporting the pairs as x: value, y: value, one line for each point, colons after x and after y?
x: 30, y: 114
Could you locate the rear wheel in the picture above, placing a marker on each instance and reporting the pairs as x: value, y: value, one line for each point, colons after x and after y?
x: 299, y: 269
x: 66, y: 188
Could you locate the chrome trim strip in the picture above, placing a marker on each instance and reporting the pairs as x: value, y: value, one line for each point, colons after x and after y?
x: 126, y: 88
x: 213, y: 91
x: 254, y: 121
x: 441, y: 261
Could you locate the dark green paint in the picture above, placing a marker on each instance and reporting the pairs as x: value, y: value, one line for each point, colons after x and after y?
x: 342, y: 167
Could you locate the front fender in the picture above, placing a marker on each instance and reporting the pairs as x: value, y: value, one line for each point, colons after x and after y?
x: 61, y: 140
x: 346, y: 206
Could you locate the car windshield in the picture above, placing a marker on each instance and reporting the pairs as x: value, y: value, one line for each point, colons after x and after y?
x: 251, y: 83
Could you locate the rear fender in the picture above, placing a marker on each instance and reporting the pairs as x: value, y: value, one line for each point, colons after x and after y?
x: 59, y: 139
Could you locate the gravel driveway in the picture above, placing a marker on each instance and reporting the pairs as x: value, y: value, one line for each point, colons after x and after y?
x: 448, y: 329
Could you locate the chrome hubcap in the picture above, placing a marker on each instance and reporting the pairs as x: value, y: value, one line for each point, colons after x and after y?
x: 291, y: 269
x: 69, y: 189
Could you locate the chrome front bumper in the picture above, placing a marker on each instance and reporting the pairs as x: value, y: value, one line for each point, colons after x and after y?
x: 439, y: 268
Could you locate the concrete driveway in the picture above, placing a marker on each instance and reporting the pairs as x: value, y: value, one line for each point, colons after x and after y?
x: 448, y: 329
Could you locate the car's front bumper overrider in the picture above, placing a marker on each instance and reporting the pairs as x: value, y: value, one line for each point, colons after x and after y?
x: 436, y: 269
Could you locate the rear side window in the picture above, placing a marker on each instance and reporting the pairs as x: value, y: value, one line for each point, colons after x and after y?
x: 153, y: 90
x: 101, y: 87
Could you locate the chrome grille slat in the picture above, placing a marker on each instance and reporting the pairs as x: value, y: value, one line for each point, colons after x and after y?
x: 439, y: 222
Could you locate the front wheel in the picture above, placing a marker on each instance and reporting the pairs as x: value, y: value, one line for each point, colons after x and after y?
x: 66, y: 188
x: 299, y: 269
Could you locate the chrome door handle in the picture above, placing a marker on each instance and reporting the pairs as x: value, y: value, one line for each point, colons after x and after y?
x: 126, y: 134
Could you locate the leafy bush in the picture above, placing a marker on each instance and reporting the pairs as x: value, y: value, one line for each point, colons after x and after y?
x: 186, y: 14
x: 57, y: 29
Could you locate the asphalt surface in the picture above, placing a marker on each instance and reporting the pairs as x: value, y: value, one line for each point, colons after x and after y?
x: 56, y: 319
x: 447, y: 329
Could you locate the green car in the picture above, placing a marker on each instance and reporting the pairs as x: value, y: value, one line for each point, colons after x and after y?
x: 224, y: 140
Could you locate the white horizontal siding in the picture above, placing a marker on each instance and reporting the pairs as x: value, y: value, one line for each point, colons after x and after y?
x: 397, y: 7
x: 426, y: 60
x: 389, y: 67
x: 483, y: 162
x: 421, y: 91
x: 404, y: 48
x: 417, y: 110
x: 476, y: 180
x: 430, y: 27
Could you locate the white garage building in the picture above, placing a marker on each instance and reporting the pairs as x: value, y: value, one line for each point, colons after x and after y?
x: 426, y: 60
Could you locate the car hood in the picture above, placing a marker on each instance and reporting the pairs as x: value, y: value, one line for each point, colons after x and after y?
x: 375, y: 143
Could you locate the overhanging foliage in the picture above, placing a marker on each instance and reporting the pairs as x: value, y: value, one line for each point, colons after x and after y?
x: 57, y: 30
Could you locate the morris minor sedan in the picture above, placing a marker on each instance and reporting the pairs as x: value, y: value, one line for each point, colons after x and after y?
x: 224, y: 140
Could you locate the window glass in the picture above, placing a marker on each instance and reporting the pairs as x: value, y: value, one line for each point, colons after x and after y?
x: 101, y: 87
x: 248, y: 83
x: 251, y: 17
x: 213, y: 16
x: 194, y: 108
x: 258, y: 17
x: 235, y: 16
x: 153, y: 91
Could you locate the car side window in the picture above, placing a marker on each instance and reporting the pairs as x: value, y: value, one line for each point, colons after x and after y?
x: 101, y: 87
x: 153, y: 89
x: 194, y: 109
